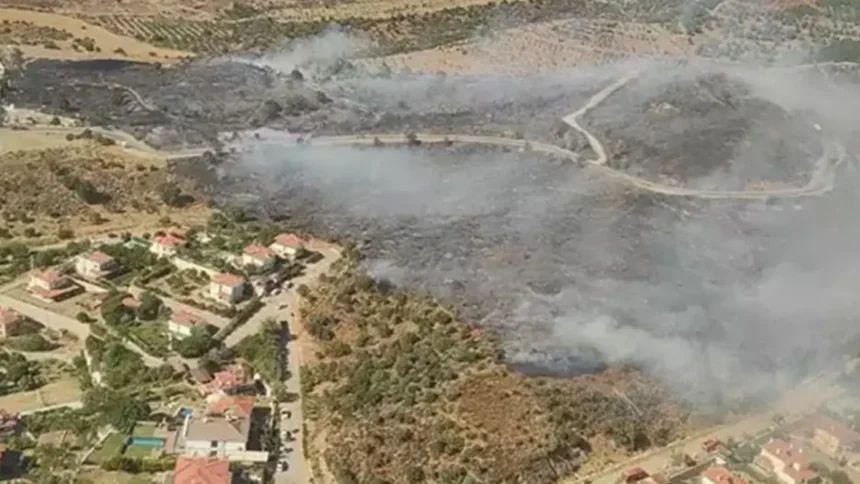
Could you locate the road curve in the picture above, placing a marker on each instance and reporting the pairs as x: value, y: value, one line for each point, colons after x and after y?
x: 819, y: 183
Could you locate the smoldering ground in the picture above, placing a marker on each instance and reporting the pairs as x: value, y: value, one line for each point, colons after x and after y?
x: 576, y: 271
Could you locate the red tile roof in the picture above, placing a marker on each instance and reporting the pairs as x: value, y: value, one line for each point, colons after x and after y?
x: 290, y: 240
x: 238, y: 406
x: 785, y: 452
x: 838, y: 430
x: 230, y: 378
x: 227, y: 279
x: 50, y: 276
x: 721, y: 475
x: 258, y: 251
x: 169, y: 240
x: 201, y: 471
x: 100, y: 257
x: 185, y: 318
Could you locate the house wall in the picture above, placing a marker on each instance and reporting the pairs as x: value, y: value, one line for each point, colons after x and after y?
x: 826, y: 442
x: 222, y: 292
x: 178, y: 329
x: 204, y: 448
x: 282, y: 251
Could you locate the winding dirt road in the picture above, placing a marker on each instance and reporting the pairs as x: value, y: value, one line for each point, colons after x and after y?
x: 820, y: 182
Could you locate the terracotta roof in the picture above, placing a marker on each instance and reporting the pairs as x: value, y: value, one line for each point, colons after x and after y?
x: 100, y: 257
x: 185, y: 318
x: 230, y: 378
x: 237, y: 406
x: 131, y: 302
x: 787, y: 453
x: 7, y: 316
x: 258, y: 251
x: 290, y: 240
x: 50, y: 276
x: 227, y: 279
x: 169, y: 240
x: 840, y: 431
x: 721, y: 475
x: 201, y: 471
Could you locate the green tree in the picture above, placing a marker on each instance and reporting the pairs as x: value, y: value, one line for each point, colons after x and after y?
x: 116, y: 408
x: 196, y: 345
x: 150, y: 306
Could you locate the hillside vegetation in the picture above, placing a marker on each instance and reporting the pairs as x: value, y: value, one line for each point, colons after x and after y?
x: 401, y: 391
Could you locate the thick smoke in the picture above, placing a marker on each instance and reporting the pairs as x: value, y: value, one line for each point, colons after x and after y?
x: 577, y: 270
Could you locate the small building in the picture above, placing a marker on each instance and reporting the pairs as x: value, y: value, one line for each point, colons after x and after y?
x: 227, y: 288
x: 788, y: 462
x: 51, y: 285
x: 10, y: 323
x: 235, y: 407
x: 182, y: 324
x: 201, y: 375
x: 258, y: 257
x: 287, y: 245
x: 227, y: 381
x: 720, y: 475
x: 96, y: 265
x: 201, y: 471
x: 166, y: 245
x: 131, y: 302
x: 832, y: 436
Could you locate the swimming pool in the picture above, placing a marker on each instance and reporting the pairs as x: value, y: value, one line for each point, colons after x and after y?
x: 154, y: 442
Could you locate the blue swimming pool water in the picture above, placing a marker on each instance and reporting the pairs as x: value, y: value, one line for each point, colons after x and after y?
x: 184, y: 411
x: 147, y: 442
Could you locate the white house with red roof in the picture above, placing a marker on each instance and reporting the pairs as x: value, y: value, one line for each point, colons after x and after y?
x: 51, y: 285
x: 223, y: 432
x: 226, y: 381
x: 720, y: 475
x: 833, y: 436
x: 166, y: 245
x: 182, y: 323
x: 201, y: 471
x: 286, y: 245
x: 787, y: 461
x: 257, y: 256
x: 227, y: 288
x: 95, y: 265
x: 10, y: 322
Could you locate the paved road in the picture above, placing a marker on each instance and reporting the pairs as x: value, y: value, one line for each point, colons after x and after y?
x: 59, y: 322
x: 804, y: 398
x: 288, y: 297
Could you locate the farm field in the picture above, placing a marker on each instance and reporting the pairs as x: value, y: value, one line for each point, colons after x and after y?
x: 51, y: 36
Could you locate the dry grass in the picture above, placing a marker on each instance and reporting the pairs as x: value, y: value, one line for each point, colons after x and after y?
x: 33, y: 29
x: 38, y: 198
x: 544, y: 46
x: 61, y: 391
x: 416, y: 397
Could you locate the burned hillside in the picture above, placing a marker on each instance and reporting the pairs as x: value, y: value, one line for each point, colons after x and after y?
x: 705, y: 129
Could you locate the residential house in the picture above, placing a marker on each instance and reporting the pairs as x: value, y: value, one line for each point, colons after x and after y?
x: 10, y: 424
x: 258, y: 257
x: 224, y: 433
x: 201, y: 375
x: 182, y: 323
x: 287, y: 245
x: 227, y: 288
x: 638, y: 475
x: 10, y: 322
x: 788, y: 462
x: 720, y: 475
x: 131, y: 302
x: 166, y: 245
x: 228, y: 381
x: 832, y: 436
x: 95, y: 265
x: 51, y: 285
x: 201, y: 471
